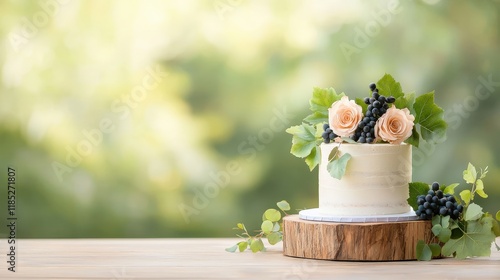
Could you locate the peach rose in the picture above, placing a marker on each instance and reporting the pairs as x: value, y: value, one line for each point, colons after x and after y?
x: 395, y: 125
x: 344, y: 116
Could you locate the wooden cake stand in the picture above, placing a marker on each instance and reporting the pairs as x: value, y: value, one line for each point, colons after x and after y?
x: 348, y: 241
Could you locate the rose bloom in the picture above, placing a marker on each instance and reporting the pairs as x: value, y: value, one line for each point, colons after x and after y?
x: 395, y: 125
x: 344, y: 116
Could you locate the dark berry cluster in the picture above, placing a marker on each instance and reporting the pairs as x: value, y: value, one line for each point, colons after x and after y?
x: 437, y: 203
x: 377, y: 106
x: 328, y: 134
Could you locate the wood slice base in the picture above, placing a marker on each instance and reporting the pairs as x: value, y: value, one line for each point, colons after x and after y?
x: 391, y: 241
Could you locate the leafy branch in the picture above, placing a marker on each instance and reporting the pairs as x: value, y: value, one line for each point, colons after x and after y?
x: 472, y: 234
x: 271, y: 228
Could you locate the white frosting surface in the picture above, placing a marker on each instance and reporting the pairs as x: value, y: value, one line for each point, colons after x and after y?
x: 375, y: 182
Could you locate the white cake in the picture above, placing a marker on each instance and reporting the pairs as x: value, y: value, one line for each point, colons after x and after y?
x: 375, y: 182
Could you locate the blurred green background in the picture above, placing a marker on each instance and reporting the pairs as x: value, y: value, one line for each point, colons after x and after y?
x: 120, y: 117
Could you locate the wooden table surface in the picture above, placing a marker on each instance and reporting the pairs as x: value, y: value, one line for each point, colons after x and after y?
x: 206, y: 259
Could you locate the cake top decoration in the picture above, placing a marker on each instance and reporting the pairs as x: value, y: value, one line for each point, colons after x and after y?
x: 387, y: 115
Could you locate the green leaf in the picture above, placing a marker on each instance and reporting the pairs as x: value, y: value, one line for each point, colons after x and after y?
x: 450, y: 189
x: 337, y: 167
x: 435, y: 249
x: 389, y: 87
x: 241, y: 226
x: 303, y: 131
x: 319, y: 131
x: 276, y: 227
x: 416, y: 189
x: 445, y: 221
x: 480, y: 189
x: 470, y: 174
x: 283, y: 205
x: 313, y: 159
x: 414, y: 138
x: 405, y: 101
x: 475, y: 242
x: 322, y: 99
x: 334, y: 153
x: 232, y: 249
x: 436, y: 229
x: 361, y: 103
x: 266, y: 226
x: 272, y: 215
x: 274, y: 238
x: 497, y: 216
x: 465, y: 195
x: 430, y: 118
x: 316, y: 117
x: 473, y: 212
x: 436, y: 220
x: 303, y: 141
x: 424, y: 252
x: 257, y: 245
x: 495, y: 227
x: 242, y: 246
x: 444, y: 235
x: 484, y: 172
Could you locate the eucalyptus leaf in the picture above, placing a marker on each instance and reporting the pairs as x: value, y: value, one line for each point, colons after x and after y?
x: 242, y: 246
x: 276, y: 226
x: 283, y: 205
x: 337, y: 167
x: 257, y: 245
x: 232, y: 249
x: 274, y: 238
x: 272, y: 215
x: 266, y: 226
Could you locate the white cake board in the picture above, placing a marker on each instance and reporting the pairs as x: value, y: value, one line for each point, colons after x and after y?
x: 315, y: 215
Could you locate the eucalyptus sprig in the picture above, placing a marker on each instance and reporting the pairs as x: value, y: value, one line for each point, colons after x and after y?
x: 472, y: 234
x: 271, y: 228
